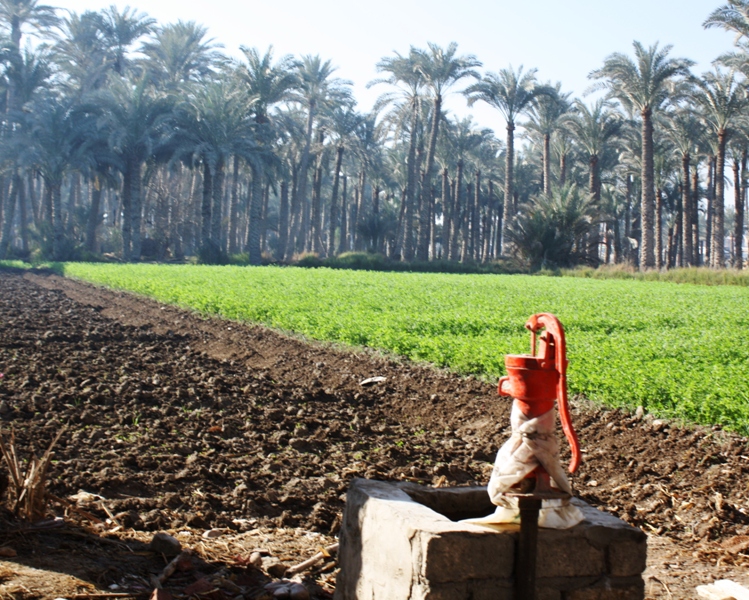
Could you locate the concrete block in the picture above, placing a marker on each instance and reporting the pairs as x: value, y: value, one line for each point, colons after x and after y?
x: 609, y: 591
x: 626, y: 558
x: 450, y: 557
x: 401, y: 541
x: 570, y: 556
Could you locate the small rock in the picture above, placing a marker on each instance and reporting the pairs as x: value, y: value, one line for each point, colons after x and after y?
x: 640, y: 412
x: 7, y: 552
x: 4, y: 408
x: 372, y: 381
x: 213, y: 533
x: 274, y: 567
x: 196, y: 521
x: 592, y: 483
x: 256, y: 559
x: 298, y: 444
x: 163, y: 543
x: 658, y: 424
x: 282, y: 593
x: 298, y: 592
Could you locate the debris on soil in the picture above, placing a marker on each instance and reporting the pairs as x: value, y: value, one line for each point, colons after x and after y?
x: 239, y: 443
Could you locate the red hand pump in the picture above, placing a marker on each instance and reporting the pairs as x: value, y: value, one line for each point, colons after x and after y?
x: 537, y: 380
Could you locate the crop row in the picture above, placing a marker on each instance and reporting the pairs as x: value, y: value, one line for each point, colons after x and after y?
x: 678, y: 350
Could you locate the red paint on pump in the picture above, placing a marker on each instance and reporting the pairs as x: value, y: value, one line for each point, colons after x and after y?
x: 537, y: 380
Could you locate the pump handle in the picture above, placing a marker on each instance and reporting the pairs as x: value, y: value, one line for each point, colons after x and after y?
x: 556, y: 331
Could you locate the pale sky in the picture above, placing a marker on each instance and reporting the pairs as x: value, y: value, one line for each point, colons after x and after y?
x: 564, y: 40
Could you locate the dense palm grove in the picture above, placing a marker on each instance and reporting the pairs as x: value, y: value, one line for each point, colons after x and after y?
x: 129, y: 139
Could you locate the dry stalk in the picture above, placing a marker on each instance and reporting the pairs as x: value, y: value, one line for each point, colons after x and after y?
x: 28, y: 497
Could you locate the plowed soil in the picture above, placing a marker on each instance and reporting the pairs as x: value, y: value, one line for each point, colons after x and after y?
x: 177, y: 423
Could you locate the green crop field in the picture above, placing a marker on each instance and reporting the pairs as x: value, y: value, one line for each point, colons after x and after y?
x: 675, y: 349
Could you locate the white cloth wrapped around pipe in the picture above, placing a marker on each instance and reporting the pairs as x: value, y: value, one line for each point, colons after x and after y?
x: 533, y: 443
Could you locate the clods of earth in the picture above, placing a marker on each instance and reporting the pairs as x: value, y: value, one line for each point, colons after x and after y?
x: 209, y: 458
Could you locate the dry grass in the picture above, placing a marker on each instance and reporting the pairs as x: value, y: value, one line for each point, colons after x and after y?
x: 27, y: 497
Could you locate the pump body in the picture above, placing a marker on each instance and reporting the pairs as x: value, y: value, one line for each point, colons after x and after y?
x: 538, y: 381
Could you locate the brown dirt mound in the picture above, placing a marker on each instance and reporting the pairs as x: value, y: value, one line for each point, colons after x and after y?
x: 184, y: 424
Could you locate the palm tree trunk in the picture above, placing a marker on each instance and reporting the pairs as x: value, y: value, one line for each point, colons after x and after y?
x: 738, y: 222
x: 218, y: 204
x: 343, y: 241
x: 234, y: 207
x: 398, y: 245
x: 301, y: 190
x: 426, y: 196
x: 465, y: 223
x: 547, y: 164
x: 647, y: 249
x: 205, y: 209
x: 357, y: 210
x: 509, y: 180
x: 594, y: 188
x: 93, y: 215
x: 408, y: 252
x: 315, y: 240
x: 24, y: 217
x: 709, y: 221
x: 136, y: 211
x: 295, y: 216
x: 334, y: 200
x: 256, y: 217
x: 686, y: 214
x: 9, y: 215
x: 57, y: 226
x: 719, y: 259
x: 127, y: 210
x: 447, y: 212
x: 475, y: 225
x: 283, y: 220
x: 457, y: 211
x: 695, y: 216
x: 264, y: 218
x: 658, y: 229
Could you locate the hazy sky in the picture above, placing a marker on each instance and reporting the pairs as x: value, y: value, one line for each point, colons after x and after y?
x: 563, y: 40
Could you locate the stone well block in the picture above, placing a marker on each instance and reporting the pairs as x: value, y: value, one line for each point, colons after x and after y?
x: 401, y: 541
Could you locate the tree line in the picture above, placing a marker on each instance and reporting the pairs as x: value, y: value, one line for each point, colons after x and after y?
x: 125, y: 138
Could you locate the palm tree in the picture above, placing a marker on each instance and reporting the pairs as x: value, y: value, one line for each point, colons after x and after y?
x: 683, y: 130
x: 132, y: 115
x: 511, y: 93
x: 594, y: 128
x: 179, y: 53
x: 121, y: 30
x: 55, y: 144
x: 316, y: 90
x: 81, y: 53
x: 546, y: 114
x: 440, y: 69
x: 642, y: 86
x: 550, y: 231
x: 210, y: 126
x: 343, y: 121
x: 733, y: 16
x: 401, y: 73
x: 722, y: 100
x: 266, y: 83
x: 15, y: 14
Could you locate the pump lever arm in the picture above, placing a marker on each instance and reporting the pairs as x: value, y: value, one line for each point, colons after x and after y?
x: 556, y: 331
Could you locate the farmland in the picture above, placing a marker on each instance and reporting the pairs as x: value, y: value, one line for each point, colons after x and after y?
x: 674, y: 349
